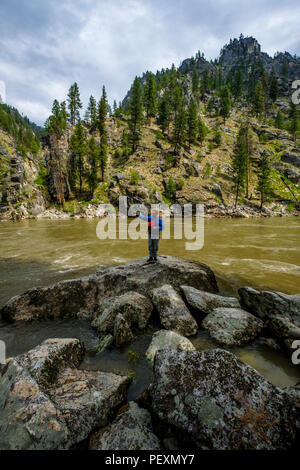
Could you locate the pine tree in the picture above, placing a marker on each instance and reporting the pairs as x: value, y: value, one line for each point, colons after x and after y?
x: 294, y: 124
x: 202, y: 131
x: 91, y: 113
x: 237, y: 86
x: 192, y: 122
x: 164, y: 113
x: 93, y: 159
x: 102, y: 112
x: 225, y: 104
x: 195, y: 83
x: 115, y: 107
x: 179, y: 132
x: 210, y: 107
x: 79, y: 149
x: 135, y: 114
x: 177, y: 99
x: 205, y: 85
x: 74, y: 104
x: 258, y: 102
x: 285, y: 70
x: 101, y: 123
x: 273, y: 90
x: 264, y: 178
x: 150, y: 96
x: 239, y: 164
x: 220, y: 79
x: 218, y: 137
x: 279, y: 121
x: 55, y: 125
x: 249, y: 149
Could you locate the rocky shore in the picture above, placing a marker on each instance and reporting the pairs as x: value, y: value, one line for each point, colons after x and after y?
x: 204, y: 400
x: 93, y: 210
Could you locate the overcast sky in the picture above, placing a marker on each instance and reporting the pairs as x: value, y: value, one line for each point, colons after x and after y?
x: 46, y: 45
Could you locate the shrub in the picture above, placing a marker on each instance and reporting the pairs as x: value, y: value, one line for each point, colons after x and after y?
x: 42, y: 179
x: 207, y: 170
x: 134, y: 177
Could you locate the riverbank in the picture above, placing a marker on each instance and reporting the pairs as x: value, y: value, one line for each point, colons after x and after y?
x: 90, y: 211
x: 206, y: 399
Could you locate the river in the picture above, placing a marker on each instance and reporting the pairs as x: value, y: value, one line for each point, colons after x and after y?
x: 262, y: 253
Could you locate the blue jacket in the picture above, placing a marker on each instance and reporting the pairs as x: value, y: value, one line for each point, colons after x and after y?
x: 152, y: 221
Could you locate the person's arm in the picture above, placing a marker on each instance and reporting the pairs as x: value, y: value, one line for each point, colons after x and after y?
x: 161, y: 225
x: 144, y: 217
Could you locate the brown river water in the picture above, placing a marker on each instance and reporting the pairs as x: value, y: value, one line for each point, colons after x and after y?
x: 262, y: 253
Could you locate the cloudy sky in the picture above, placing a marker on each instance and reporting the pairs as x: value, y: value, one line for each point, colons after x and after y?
x: 47, y: 45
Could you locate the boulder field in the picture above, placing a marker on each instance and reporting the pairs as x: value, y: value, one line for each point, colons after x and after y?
x: 203, y: 400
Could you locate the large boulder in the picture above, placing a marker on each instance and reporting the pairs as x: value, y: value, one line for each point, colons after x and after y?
x: 232, y: 326
x: 173, y: 313
x: 165, y: 339
x: 204, y: 302
x: 214, y: 401
x: 47, y: 403
x: 81, y: 297
x: 118, y: 315
x: 131, y: 430
x: 292, y: 158
x: 280, y: 312
x: 292, y: 175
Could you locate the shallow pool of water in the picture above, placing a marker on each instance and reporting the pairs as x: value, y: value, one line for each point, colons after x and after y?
x: 19, y: 338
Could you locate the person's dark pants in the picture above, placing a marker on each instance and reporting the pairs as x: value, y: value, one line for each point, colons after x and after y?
x: 153, y: 247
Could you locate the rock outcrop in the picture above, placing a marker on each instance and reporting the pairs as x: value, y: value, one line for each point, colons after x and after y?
x: 165, y: 339
x: 81, y: 297
x: 280, y: 312
x: 232, y: 326
x: 214, y: 401
x: 204, y: 302
x: 173, y: 313
x: 47, y: 403
x: 131, y: 430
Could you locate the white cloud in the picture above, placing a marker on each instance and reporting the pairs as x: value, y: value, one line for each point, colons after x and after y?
x: 47, y: 47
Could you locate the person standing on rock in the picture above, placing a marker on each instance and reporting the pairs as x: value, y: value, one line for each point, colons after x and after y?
x: 155, y: 226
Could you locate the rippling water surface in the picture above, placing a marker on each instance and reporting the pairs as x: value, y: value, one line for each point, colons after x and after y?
x: 262, y: 253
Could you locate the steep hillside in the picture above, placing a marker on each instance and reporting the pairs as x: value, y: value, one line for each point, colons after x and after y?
x: 23, y: 185
x: 223, y: 133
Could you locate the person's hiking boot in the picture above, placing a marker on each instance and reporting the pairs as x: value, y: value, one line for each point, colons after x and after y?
x: 150, y: 260
x: 155, y: 259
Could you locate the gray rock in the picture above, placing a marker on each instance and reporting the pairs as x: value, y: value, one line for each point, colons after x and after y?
x: 204, y: 302
x: 280, y: 312
x: 267, y: 303
x: 226, y: 129
x: 80, y: 297
x: 232, y: 326
x: 105, y: 343
x: 166, y: 339
x: 47, y: 403
x: 158, y: 197
x: 173, y: 313
x: 122, y: 331
x: 116, y: 315
x: 291, y: 158
x: 270, y: 342
x: 217, y: 402
x: 131, y: 430
x: 292, y: 175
